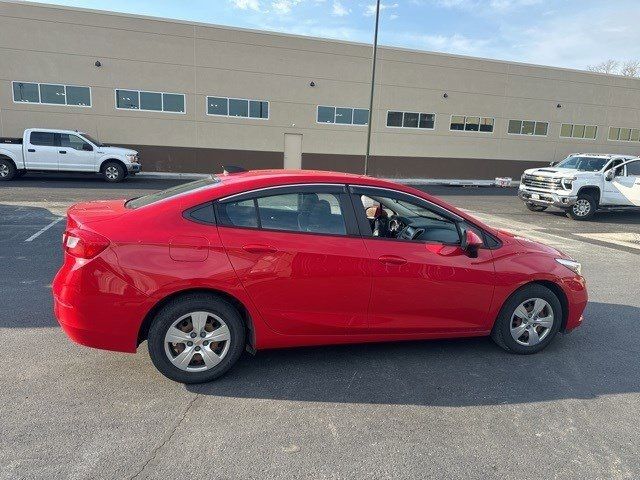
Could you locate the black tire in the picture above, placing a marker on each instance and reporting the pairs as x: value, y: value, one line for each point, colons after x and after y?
x: 180, y: 307
x: 535, y: 208
x: 7, y: 170
x: 113, y: 172
x: 584, y: 208
x: 501, y: 333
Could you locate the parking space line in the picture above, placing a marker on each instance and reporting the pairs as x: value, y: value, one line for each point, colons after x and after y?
x: 43, y: 229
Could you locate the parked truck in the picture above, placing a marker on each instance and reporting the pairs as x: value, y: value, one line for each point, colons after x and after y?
x: 582, y: 184
x: 46, y: 150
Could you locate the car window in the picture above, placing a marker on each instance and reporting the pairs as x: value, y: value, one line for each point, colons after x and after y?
x: 392, y: 218
x: 302, y: 212
x: 633, y: 169
x: 71, y: 141
x: 308, y: 212
x: 46, y: 139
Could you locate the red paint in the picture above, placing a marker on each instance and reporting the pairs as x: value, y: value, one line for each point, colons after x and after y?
x: 298, y: 288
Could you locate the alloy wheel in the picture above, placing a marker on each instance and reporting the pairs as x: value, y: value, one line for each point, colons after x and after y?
x: 111, y: 172
x: 581, y: 208
x: 531, y: 322
x: 197, y: 341
x: 4, y: 170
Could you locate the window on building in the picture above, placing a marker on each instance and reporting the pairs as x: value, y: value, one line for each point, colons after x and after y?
x: 237, y: 107
x: 623, y: 134
x: 527, y: 127
x: 51, y: 94
x: 150, y: 101
x: 342, y: 115
x: 411, y: 120
x: 472, y: 123
x: 580, y: 131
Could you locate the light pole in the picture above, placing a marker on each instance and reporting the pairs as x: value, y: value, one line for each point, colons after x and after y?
x: 373, y: 80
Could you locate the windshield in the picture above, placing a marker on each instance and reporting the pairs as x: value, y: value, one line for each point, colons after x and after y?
x: 584, y: 164
x: 170, y: 192
x: 92, y: 140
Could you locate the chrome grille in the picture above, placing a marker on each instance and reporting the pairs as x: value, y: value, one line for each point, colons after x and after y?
x: 546, y: 183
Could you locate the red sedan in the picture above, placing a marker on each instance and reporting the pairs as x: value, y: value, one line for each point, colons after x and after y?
x: 271, y: 259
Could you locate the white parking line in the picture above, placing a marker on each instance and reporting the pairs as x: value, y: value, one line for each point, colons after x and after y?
x: 43, y: 229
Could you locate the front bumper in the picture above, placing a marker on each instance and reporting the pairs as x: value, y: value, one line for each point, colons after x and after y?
x: 133, y: 167
x: 546, y: 198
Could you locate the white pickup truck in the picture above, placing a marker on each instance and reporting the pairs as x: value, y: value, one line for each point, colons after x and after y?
x: 47, y: 150
x: 583, y: 183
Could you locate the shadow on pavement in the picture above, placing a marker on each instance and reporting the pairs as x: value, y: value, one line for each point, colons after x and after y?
x: 598, y: 359
x: 89, y: 181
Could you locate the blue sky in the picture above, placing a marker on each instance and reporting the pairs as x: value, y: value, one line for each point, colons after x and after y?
x: 563, y: 33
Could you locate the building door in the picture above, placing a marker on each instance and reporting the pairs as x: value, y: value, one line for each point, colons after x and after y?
x: 292, y: 150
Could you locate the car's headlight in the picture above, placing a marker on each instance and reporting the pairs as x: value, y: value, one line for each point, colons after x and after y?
x: 572, y: 265
x: 568, y: 182
x: 133, y: 158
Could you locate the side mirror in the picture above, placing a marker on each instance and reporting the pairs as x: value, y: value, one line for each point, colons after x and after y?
x: 553, y: 164
x: 471, y: 242
x: 87, y: 148
x: 610, y: 175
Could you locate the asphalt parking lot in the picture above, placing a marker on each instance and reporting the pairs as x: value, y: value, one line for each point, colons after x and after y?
x: 440, y: 409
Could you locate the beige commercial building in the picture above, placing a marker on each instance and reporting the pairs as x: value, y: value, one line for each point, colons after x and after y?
x: 192, y: 96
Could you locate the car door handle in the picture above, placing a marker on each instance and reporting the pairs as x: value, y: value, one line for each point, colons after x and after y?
x: 31, y: 150
x: 259, y: 249
x: 392, y: 260
x: 62, y: 151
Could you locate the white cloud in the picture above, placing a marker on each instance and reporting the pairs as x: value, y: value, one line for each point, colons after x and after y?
x: 339, y: 10
x: 284, y: 7
x: 247, y: 4
x: 370, y: 9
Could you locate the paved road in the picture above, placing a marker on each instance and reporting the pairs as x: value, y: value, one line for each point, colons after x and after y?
x: 443, y: 409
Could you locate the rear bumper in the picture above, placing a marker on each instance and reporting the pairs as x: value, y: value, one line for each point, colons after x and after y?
x: 95, y: 307
x: 546, y: 198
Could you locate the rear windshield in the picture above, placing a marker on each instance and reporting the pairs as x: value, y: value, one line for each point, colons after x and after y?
x: 171, y: 192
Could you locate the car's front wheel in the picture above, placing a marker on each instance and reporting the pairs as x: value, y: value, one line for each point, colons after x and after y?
x: 113, y: 172
x: 196, y: 338
x: 584, y: 208
x: 528, y: 320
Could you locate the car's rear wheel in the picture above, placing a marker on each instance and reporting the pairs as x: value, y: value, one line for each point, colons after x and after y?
x: 7, y: 169
x: 535, y: 208
x: 528, y: 320
x: 196, y: 338
x: 113, y: 172
x: 584, y: 208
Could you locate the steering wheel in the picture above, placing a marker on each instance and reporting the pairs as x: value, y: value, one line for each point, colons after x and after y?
x: 410, y: 233
x: 395, y: 224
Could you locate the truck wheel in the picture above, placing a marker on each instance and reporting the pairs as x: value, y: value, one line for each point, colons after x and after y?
x: 584, y: 208
x: 535, y: 208
x: 7, y: 169
x: 113, y: 172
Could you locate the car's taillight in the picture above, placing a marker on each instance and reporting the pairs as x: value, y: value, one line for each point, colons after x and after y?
x: 83, y: 243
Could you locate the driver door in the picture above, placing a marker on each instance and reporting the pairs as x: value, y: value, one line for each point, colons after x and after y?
x: 427, y: 285
x: 625, y: 186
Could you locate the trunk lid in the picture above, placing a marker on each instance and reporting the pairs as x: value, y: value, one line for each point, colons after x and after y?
x: 90, y: 212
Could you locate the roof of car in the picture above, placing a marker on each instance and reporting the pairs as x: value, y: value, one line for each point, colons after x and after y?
x: 604, y: 155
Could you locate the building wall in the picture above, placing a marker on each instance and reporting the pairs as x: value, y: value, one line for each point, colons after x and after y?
x: 60, y: 45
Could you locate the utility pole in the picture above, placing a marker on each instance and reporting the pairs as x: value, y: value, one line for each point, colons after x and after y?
x: 373, y: 80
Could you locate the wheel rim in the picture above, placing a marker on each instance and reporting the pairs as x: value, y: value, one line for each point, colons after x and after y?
x: 111, y: 172
x: 197, y: 341
x: 531, y: 322
x: 582, y: 208
x: 4, y: 170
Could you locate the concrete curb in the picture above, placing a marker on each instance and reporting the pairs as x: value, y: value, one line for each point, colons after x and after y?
x: 406, y: 181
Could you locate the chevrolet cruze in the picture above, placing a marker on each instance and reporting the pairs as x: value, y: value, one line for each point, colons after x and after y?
x: 276, y: 258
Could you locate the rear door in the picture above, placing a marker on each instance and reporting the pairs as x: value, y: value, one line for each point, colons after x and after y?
x: 298, y: 254
x: 41, y: 151
x: 75, y: 154
x: 627, y: 184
